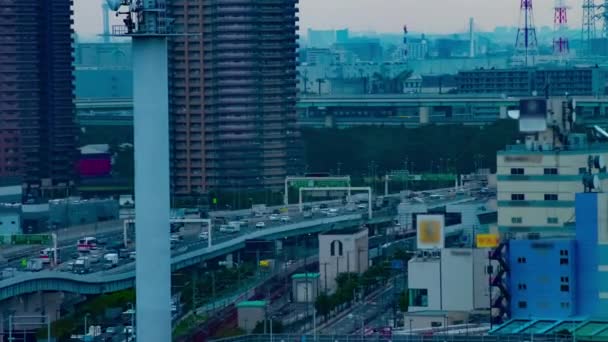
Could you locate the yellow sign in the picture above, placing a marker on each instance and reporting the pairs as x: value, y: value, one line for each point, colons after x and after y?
x: 264, y: 263
x: 430, y: 231
x: 487, y: 240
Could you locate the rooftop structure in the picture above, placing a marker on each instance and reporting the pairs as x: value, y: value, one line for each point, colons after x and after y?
x: 575, y: 81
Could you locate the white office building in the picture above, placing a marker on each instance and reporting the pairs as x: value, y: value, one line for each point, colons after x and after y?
x: 536, y: 185
x: 452, y: 279
x: 342, y: 251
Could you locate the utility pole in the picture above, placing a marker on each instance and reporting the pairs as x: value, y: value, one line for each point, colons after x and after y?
x: 194, y: 288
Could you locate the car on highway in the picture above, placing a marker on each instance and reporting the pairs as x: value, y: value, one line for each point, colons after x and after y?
x: 132, y: 255
x: 229, y: 229
x: 285, y: 218
x: 111, y: 330
x: 332, y: 212
x: 204, y: 235
x: 362, y: 206
x: 260, y: 224
x: 176, y: 237
x: 273, y: 217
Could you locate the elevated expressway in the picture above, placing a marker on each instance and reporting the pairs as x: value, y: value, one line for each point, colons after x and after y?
x: 123, y: 277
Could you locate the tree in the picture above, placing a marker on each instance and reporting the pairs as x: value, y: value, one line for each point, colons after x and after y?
x: 323, y: 304
x: 403, y: 255
x: 404, y: 301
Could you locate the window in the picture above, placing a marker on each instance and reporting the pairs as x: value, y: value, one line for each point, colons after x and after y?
x: 550, y: 171
x: 552, y: 220
x: 516, y: 220
x: 564, y: 279
x: 563, y: 261
x: 565, y: 305
x: 564, y: 288
x: 521, y: 260
x: 517, y: 171
x: 517, y: 197
x: 563, y: 252
x: 418, y: 297
x: 522, y: 305
x: 522, y: 286
x: 550, y: 197
x: 336, y: 247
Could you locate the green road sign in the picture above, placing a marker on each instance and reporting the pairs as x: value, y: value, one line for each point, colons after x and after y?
x: 438, y: 177
x: 26, y: 239
x: 318, y: 183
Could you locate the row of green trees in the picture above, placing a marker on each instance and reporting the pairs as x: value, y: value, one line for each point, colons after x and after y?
x: 374, y: 150
x: 350, y: 283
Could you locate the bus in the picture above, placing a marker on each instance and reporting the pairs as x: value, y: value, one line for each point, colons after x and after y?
x: 46, y: 255
x: 86, y: 244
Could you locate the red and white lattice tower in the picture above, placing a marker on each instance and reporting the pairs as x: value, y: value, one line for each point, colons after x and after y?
x: 560, y: 27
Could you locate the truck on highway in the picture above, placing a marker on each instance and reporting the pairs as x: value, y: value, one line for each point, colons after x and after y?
x: 82, y: 265
x: 259, y: 210
x: 110, y: 260
x: 34, y: 265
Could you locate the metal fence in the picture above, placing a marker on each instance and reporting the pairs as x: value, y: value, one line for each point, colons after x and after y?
x: 397, y: 338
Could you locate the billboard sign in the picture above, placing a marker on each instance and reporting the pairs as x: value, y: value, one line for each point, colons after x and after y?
x: 533, y: 115
x: 487, y: 240
x: 430, y: 231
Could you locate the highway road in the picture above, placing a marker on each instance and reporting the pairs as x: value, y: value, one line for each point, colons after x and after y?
x: 111, y: 232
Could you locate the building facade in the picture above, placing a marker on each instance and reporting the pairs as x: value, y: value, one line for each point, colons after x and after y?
x: 344, y: 251
x: 451, y: 279
x: 542, y: 278
x: 522, y: 82
x: 37, y: 135
x: 561, y: 278
x: 536, y: 187
x: 233, y: 94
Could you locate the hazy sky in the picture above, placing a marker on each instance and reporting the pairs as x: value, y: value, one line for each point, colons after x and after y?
x: 429, y: 16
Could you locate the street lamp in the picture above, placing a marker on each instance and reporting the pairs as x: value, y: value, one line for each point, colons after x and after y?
x: 411, y: 320
x: 271, y: 320
x: 131, y: 311
x: 86, y: 316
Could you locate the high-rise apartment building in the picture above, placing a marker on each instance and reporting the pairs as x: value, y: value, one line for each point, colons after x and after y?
x: 233, y: 94
x: 37, y: 128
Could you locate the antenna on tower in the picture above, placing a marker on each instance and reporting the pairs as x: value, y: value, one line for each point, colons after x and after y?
x: 405, y: 50
x: 588, y: 29
x: 561, y: 46
x: 526, y: 45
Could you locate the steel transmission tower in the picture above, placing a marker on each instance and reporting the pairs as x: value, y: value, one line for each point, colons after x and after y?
x: 588, y: 29
x: 560, y: 25
x: 604, y: 17
x: 526, y: 45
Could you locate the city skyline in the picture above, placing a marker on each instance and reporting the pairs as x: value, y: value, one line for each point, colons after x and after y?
x: 386, y: 16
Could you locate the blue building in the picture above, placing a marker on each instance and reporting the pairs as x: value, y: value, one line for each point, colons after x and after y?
x: 563, y: 278
x: 543, y: 278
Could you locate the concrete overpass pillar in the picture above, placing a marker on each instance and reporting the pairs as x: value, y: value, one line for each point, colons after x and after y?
x: 503, y: 112
x: 229, y: 260
x: 329, y: 120
x: 424, y: 113
x: 278, y: 246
